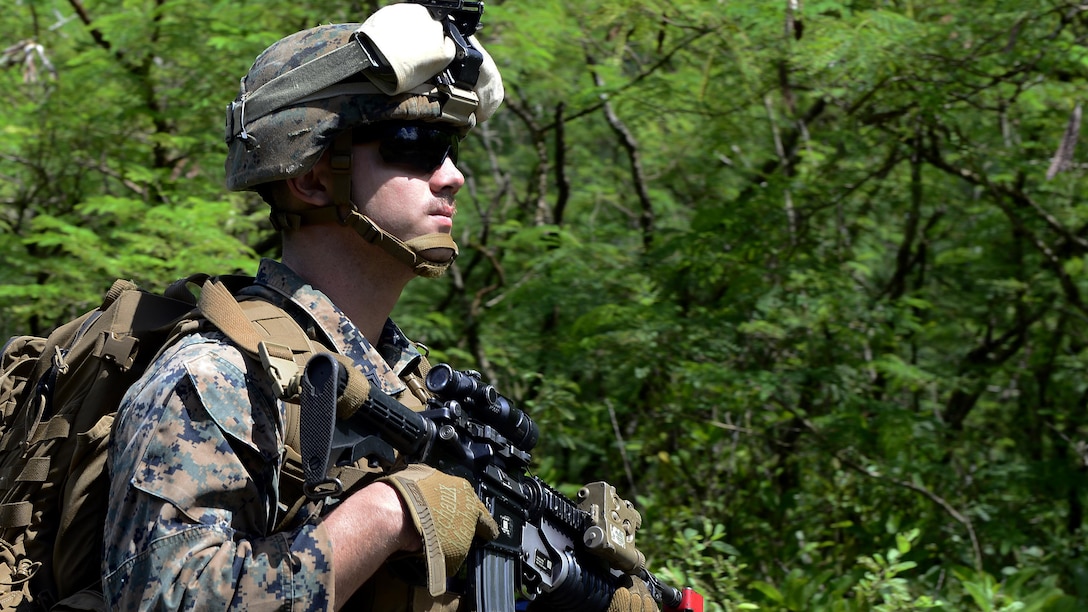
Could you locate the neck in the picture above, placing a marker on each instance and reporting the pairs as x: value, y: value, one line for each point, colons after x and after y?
x: 361, y: 279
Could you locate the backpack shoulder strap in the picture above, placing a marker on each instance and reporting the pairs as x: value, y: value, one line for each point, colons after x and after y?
x: 267, y: 332
x: 261, y: 329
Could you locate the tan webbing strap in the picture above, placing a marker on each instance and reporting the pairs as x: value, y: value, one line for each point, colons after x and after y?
x: 291, y: 496
x: 293, y: 427
x: 222, y: 310
x: 252, y: 324
x: 263, y: 331
x: 351, y: 475
x: 355, y: 391
x: 119, y: 286
x: 16, y: 514
x: 427, y: 242
x: 286, y: 219
x: 409, y: 253
x: 35, y: 470
x: 56, y: 427
x: 275, y: 325
x: 340, y: 164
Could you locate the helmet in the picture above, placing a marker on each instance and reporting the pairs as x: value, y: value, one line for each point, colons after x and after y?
x: 306, y: 92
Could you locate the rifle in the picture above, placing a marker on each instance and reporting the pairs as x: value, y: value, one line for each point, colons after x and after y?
x: 567, y: 555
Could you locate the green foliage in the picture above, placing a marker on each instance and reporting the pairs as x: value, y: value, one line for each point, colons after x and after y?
x: 111, y: 162
x: 808, y: 285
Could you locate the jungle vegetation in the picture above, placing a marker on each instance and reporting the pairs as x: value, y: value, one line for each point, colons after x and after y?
x: 805, y: 279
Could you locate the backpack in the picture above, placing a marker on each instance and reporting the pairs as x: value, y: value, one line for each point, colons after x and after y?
x: 58, y: 397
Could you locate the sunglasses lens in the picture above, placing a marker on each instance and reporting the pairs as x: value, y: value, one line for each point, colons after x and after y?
x: 421, y: 148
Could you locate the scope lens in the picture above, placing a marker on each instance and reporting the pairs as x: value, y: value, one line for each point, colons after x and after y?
x: 439, y: 378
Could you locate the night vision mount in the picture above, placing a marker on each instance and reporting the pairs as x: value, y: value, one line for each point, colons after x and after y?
x: 461, y: 19
x: 464, y: 15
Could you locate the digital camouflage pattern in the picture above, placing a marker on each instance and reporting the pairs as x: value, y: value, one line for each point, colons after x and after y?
x: 195, y: 462
x: 290, y: 141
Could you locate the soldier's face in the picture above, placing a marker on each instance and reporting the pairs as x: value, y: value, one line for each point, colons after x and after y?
x: 404, y: 201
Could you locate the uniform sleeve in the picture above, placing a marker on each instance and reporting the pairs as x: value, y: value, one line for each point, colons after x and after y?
x: 194, y: 463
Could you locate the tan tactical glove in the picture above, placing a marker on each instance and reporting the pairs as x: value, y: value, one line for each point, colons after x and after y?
x: 447, y: 513
x: 632, y: 596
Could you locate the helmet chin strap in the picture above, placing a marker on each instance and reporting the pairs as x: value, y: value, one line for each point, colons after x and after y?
x: 428, y: 256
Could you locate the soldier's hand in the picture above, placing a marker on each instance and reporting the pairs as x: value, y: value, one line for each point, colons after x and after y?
x: 632, y: 596
x: 447, y: 513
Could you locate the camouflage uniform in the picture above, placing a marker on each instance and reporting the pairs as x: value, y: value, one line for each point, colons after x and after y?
x: 195, y: 463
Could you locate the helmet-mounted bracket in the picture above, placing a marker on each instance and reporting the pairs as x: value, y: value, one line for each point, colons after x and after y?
x: 460, y: 20
x: 466, y: 71
x: 465, y: 14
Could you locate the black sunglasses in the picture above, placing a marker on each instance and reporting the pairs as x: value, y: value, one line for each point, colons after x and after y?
x: 421, y: 147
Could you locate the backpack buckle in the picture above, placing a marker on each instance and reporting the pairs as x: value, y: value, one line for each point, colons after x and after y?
x: 117, y: 349
x: 277, y: 360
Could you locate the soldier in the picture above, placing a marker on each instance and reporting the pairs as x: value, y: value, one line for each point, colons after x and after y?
x: 350, y: 132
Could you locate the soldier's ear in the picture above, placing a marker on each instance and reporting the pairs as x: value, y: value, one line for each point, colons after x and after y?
x: 313, y: 187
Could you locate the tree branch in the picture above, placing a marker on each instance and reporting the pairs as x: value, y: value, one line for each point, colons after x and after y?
x: 664, y: 59
x: 536, y: 133
x: 1000, y: 192
x: 561, y: 180
x: 96, y: 34
x: 630, y: 145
